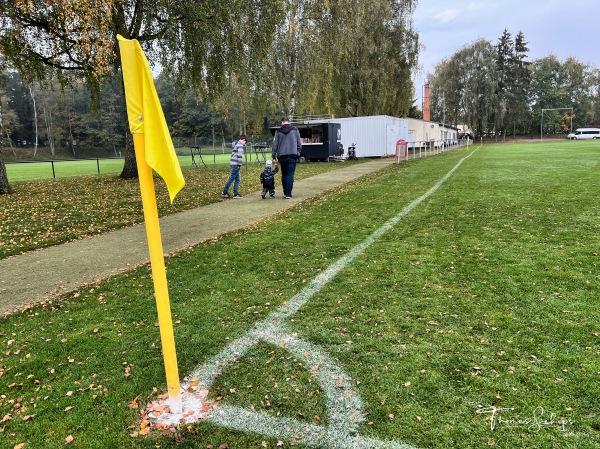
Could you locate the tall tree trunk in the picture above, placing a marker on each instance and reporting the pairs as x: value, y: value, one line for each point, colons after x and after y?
x: 10, y: 143
x: 130, y: 170
x: 294, y: 80
x: 35, y: 119
x: 49, y: 130
x: 292, y: 106
x: 71, y: 137
x: 4, y: 185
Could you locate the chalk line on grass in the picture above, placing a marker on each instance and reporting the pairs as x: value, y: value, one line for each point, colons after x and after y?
x: 342, y: 399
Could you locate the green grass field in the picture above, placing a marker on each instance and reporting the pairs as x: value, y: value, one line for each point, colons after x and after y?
x: 472, y: 323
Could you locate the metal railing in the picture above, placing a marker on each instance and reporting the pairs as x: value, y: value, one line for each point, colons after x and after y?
x: 53, y: 162
x: 255, y: 152
x: 426, y: 148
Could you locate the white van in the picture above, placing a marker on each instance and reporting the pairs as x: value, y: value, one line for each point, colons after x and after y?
x: 585, y: 133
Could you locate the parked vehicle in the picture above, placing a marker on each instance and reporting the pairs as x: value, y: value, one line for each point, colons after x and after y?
x: 585, y: 133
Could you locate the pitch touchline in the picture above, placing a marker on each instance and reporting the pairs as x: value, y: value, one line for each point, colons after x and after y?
x: 343, y: 401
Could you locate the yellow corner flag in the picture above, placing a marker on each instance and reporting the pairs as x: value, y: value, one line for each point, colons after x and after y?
x: 153, y: 148
x: 146, y: 115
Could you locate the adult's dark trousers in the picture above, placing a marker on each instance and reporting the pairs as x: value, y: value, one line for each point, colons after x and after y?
x: 288, y: 168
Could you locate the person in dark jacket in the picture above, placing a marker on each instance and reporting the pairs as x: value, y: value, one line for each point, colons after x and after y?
x: 235, y: 177
x: 287, y: 147
x: 267, y: 178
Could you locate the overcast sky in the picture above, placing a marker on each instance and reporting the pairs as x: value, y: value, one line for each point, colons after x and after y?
x: 563, y: 27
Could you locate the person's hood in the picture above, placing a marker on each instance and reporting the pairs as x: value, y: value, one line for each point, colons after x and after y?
x: 286, y: 129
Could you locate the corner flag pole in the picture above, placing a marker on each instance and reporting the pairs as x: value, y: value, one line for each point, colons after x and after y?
x: 153, y: 150
x: 159, y: 274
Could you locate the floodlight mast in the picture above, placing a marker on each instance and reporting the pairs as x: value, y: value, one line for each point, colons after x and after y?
x: 554, y: 109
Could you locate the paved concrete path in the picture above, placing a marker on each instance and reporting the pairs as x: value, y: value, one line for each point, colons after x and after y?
x: 39, y: 275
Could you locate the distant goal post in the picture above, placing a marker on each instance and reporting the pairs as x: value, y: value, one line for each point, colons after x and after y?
x: 554, y: 109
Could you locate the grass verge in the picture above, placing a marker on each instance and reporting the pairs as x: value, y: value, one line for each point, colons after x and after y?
x: 50, y: 212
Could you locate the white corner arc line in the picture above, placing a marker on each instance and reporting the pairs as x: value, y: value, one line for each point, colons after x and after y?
x: 343, y: 401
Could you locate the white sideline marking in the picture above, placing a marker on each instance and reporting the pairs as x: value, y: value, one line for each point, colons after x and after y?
x: 343, y: 401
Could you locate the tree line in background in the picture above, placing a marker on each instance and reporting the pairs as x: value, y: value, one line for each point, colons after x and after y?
x: 231, y: 65
x: 494, y: 90
x: 69, y: 122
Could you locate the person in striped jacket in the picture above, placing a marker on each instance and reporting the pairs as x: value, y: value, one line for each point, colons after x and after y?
x: 235, y: 163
